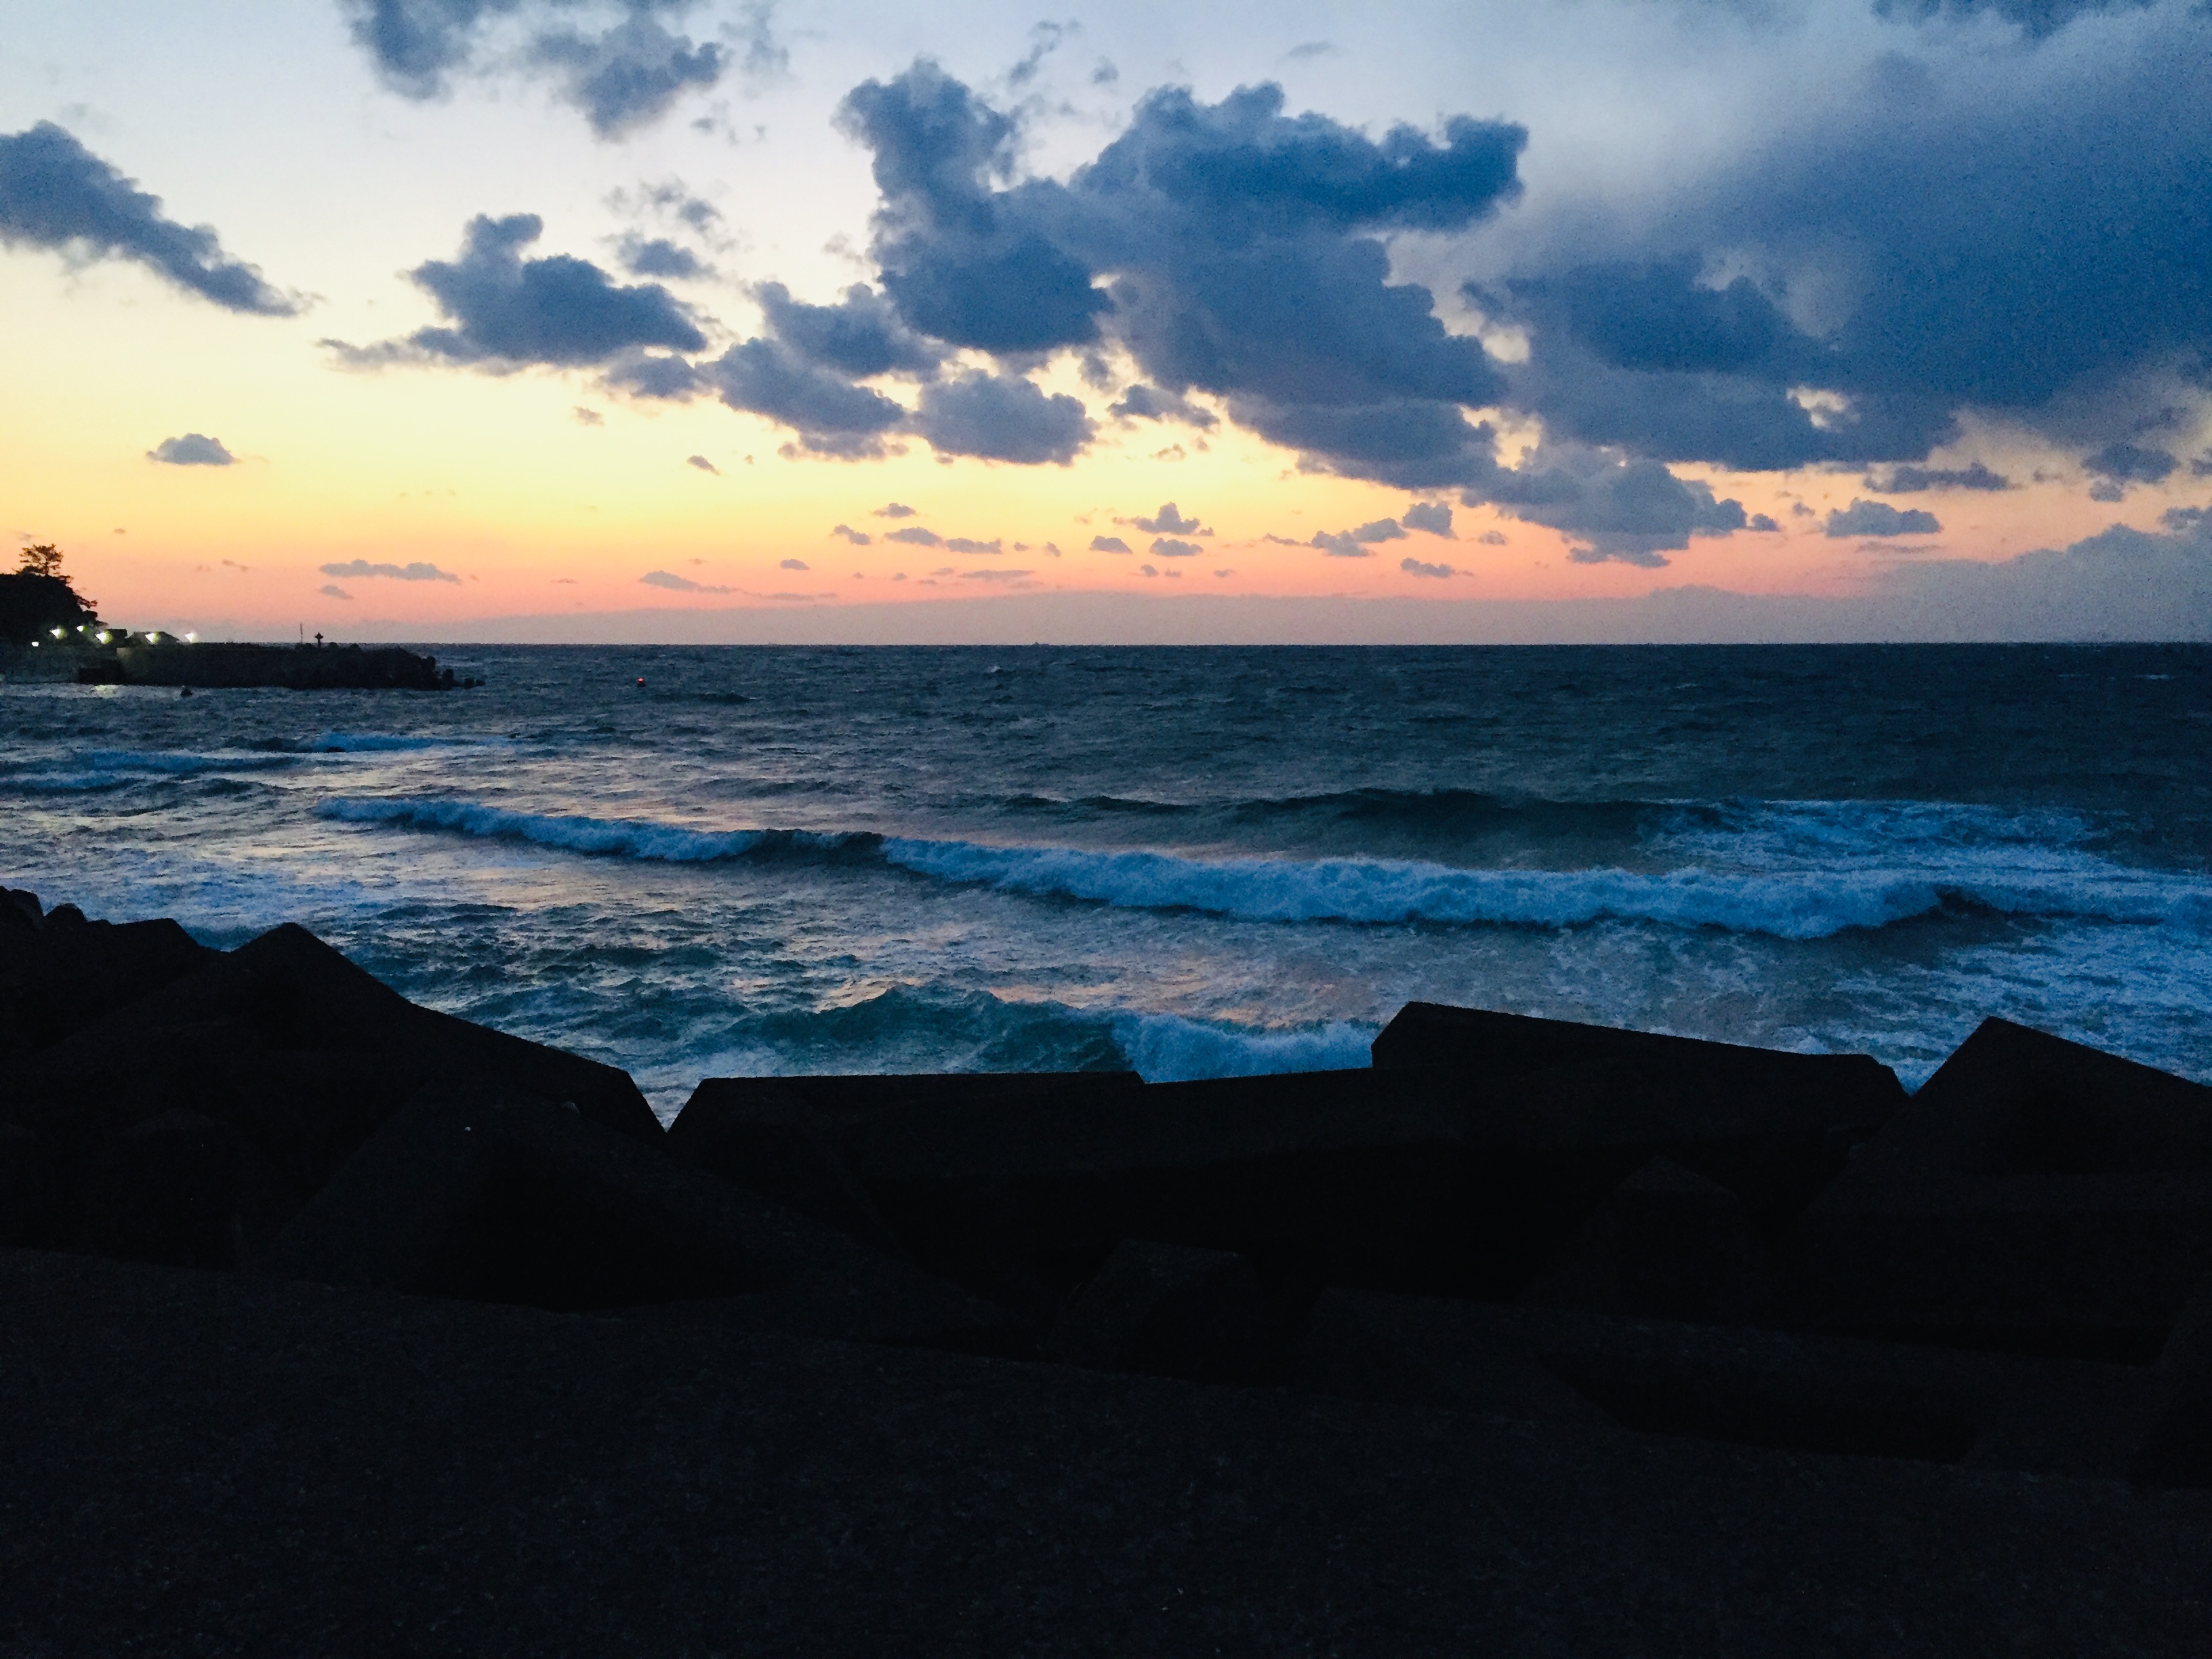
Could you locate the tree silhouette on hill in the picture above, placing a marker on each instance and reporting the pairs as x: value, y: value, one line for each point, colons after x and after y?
x: 39, y: 598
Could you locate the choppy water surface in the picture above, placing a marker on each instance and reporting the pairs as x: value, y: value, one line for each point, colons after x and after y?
x: 1193, y: 861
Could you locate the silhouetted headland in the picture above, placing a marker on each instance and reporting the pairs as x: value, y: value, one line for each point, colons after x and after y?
x: 333, y: 1321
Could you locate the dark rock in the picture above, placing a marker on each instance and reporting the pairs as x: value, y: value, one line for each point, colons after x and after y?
x: 1798, y: 1391
x: 289, y: 1042
x: 1478, y: 1042
x: 180, y: 1188
x: 1410, y: 1179
x: 492, y: 1196
x: 765, y: 1137
x: 25, y: 1185
x: 59, y: 973
x: 1669, y: 1244
x: 2035, y: 1195
x: 1169, y: 1310
x: 2012, y: 1101
x: 2177, y: 1447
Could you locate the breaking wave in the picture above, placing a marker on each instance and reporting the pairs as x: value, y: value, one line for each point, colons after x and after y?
x: 1796, y: 903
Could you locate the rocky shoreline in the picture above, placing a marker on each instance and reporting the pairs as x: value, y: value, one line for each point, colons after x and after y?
x: 334, y: 1322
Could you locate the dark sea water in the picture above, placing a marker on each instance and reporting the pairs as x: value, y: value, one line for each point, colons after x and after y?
x: 1195, y: 862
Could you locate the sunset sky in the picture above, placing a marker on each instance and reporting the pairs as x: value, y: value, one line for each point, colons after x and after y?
x: 451, y: 319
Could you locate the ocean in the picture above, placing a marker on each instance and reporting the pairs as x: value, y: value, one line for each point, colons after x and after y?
x: 1190, y: 861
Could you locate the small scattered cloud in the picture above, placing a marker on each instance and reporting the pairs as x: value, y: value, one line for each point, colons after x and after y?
x: 1354, y: 544
x: 1416, y: 568
x: 1010, y: 577
x: 1147, y: 402
x: 584, y: 416
x: 967, y: 544
x: 1311, y: 49
x: 1759, y: 521
x: 1224, y: 573
x: 1913, y: 480
x: 1865, y: 518
x: 915, y: 536
x: 1166, y: 522
x: 1167, y: 547
x: 1109, y: 544
x: 417, y: 572
x: 1147, y: 570
x: 331, y: 590
x: 676, y: 584
x: 1492, y: 538
x: 657, y: 256
x: 702, y: 463
x: 2122, y: 464
x: 858, y: 537
x: 894, y: 510
x: 1434, y: 517
x: 193, y: 449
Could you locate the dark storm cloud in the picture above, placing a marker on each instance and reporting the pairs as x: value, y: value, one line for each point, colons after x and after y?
x: 833, y: 417
x: 1864, y: 518
x: 55, y: 193
x: 506, y: 312
x: 1913, y: 480
x: 861, y: 336
x: 193, y: 449
x: 621, y: 75
x: 1949, y: 233
x: 1240, y: 245
x: 416, y: 572
x: 1001, y: 417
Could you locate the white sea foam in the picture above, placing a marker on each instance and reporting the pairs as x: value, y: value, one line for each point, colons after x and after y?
x: 604, y: 837
x: 1169, y: 1048
x: 1814, y: 900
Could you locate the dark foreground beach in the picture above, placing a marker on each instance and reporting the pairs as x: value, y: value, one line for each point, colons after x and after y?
x: 333, y: 1324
